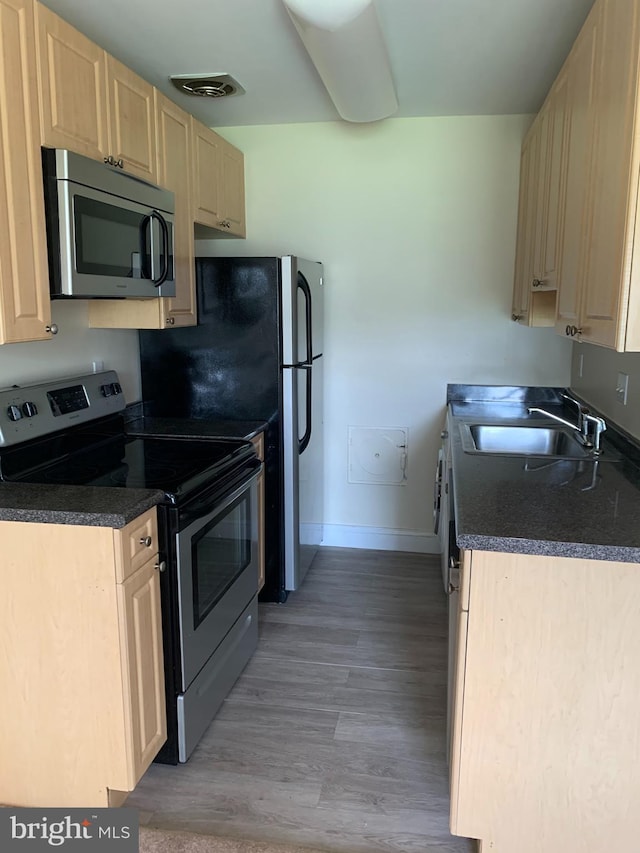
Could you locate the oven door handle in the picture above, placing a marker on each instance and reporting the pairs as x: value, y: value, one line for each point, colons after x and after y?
x: 220, y: 507
x: 437, y: 491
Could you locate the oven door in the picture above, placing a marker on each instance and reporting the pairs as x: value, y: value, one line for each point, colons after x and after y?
x: 111, y: 246
x: 217, y: 563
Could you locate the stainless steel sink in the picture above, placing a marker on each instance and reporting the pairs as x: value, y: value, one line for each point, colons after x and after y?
x: 521, y: 440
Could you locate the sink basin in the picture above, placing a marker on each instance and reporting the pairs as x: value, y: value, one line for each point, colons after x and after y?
x: 522, y: 440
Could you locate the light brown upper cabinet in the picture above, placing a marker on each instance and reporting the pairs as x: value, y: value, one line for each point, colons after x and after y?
x: 610, y: 301
x: 24, y: 277
x: 132, y: 121
x: 218, y: 183
x: 593, y: 106
x: 232, y: 183
x: 525, y: 235
x: 579, y: 83
x: 540, y: 215
x: 174, y: 172
x: 90, y: 103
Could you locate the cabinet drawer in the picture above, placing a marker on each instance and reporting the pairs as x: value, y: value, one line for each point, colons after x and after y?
x: 258, y: 443
x: 135, y: 544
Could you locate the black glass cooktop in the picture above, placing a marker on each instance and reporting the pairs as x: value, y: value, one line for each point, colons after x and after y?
x: 175, y: 466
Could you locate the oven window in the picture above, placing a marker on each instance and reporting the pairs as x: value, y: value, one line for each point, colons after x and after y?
x: 110, y: 240
x: 220, y: 552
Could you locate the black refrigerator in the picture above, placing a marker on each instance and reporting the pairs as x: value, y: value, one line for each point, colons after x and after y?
x: 256, y: 354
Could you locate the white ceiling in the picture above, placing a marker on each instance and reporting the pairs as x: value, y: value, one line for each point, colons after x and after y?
x: 449, y: 57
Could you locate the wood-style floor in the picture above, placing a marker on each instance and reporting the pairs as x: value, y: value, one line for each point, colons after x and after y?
x: 334, y: 735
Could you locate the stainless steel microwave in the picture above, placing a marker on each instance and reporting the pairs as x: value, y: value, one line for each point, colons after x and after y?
x: 109, y: 234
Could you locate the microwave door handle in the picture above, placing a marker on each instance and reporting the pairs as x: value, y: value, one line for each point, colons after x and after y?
x: 164, y: 250
x: 145, y: 235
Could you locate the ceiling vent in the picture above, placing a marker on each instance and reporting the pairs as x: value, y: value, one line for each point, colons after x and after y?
x: 207, y: 85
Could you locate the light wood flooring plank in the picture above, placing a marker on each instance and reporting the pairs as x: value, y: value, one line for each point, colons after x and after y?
x: 334, y: 735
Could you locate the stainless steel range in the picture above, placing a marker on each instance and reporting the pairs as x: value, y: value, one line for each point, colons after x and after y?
x: 72, y: 432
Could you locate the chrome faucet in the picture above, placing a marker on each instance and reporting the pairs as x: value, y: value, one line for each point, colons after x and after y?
x: 581, y: 410
x: 590, y: 427
x: 599, y: 426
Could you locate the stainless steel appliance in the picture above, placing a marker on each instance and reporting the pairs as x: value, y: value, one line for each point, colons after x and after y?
x: 445, y: 527
x: 109, y: 234
x: 71, y: 432
x: 256, y: 354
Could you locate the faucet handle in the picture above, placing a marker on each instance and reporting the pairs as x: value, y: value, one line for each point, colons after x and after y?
x: 599, y: 426
x: 581, y: 408
x: 598, y: 422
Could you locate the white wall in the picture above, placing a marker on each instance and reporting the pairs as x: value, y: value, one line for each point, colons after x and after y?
x: 415, y: 222
x: 72, y: 351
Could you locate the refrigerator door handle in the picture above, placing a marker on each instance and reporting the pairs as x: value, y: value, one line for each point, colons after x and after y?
x: 303, y: 284
x: 303, y: 442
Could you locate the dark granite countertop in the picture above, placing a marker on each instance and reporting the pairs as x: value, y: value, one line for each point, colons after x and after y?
x: 187, y: 428
x: 90, y: 506
x: 541, y: 505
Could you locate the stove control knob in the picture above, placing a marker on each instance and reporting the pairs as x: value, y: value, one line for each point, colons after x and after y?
x: 14, y: 413
x: 116, y: 388
x: 106, y: 390
x: 29, y: 409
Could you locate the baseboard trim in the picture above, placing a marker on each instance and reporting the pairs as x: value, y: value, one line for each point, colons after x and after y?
x: 380, y: 539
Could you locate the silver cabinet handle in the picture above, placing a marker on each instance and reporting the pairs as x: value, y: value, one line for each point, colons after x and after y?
x: 444, y: 434
x: 516, y: 317
x: 120, y: 163
x: 52, y: 329
x: 109, y: 160
x: 538, y: 282
x: 171, y: 321
x: 161, y: 566
x: 452, y: 588
x: 146, y: 541
x: 572, y: 331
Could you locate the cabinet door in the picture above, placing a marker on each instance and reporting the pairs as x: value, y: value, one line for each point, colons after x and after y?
x: 232, y: 182
x: 132, y: 125
x: 207, y: 154
x: 526, y: 226
x: 458, y: 661
x: 24, y: 277
x: 552, y: 165
x: 174, y: 172
x: 578, y: 133
x: 73, y: 90
x: 611, y: 210
x: 142, y: 670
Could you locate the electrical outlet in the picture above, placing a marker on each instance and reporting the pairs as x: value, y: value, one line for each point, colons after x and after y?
x: 622, y: 387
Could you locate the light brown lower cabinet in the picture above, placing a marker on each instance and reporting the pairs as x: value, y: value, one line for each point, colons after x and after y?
x: 81, y: 670
x: 545, y: 735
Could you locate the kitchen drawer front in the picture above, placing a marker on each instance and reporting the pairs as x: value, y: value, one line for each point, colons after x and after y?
x: 135, y: 544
